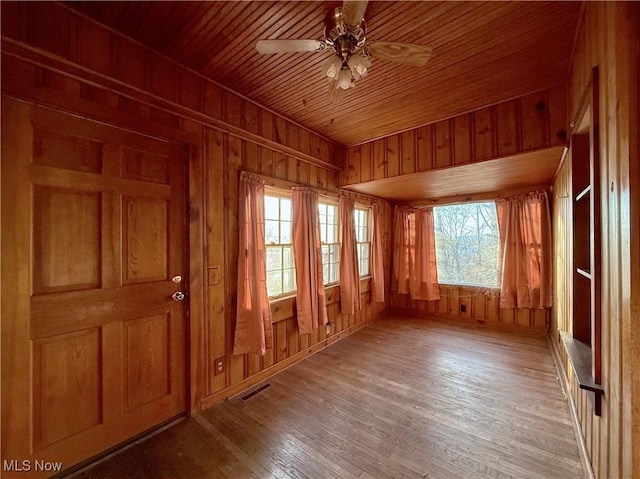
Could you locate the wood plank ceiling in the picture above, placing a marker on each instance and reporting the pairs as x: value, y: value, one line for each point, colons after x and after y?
x: 484, y: 52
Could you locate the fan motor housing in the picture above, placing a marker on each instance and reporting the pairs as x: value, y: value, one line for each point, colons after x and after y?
x: 345, y: 39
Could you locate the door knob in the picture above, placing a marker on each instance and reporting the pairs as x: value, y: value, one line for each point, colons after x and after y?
x: 178, y: 296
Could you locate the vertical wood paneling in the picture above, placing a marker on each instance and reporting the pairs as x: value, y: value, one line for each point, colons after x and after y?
x: 507, y: 127
x: 479, y: 304
x: 408, y: 152
x: 392, y: 155
x: 424, y: 138
x: 442, y: 140
x: 557, y: 106
x: 48, y: 27
x: 354, y: 162
x: 528, y: 123
x: 379, y: 160
x: 215, y: 215
x: 604, y: 38
x: 365, y: 162
x: 484, y: 134
x: 534, y: 120
x: 462, y: 140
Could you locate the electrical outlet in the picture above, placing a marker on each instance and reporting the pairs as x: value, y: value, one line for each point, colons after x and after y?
x: 218, y: 366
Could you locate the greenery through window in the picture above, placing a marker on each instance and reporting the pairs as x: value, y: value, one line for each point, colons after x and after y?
x: 467, y: 244
x: 281, y: 275
x: 328, y: 219
x: 363, y: 242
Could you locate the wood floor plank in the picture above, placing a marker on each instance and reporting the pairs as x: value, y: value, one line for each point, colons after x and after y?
x: 401, y: 398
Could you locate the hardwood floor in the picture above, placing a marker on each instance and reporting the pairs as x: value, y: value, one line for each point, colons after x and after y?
x: 399, y: 399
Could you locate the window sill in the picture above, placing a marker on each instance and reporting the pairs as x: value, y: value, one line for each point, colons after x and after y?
x: 579, y: 355
x: 470, y: 285
x: 284, y: 297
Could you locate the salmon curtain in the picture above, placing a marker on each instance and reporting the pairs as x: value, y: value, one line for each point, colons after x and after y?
x: 414, y: 254
x: 377, y: 263
x: 525, y: 248
x: 401, y: 250
x: 254, y: 332
x: 424, y: 273
x: 350, y: 301
x: 311, y: 307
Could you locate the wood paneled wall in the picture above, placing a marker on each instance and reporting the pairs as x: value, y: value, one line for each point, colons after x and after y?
x: 608, y: 36
x: 227, y: 156
x: 54, y: 57
x: 93, y: 52
x: 520, y: 125
x: 480, y: 305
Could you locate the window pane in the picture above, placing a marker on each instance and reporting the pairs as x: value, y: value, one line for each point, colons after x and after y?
x: 325, y: 274
x: 271, y: 235
x: 285, y: 209
x: 274, y: 283
x: 274, y: 258
x: 323, y: 233
x: 467, y: 244
x: 331, y: 214
x: 285, y: 232
x: 287, y: 254
x: 325, y: 253
x: 289, y: 280
x: 331, y: 234
x: 271, y: 205
x: 334, y: 253
x: 322, y: 210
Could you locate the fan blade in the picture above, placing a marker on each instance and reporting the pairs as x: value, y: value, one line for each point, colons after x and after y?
x: 353, y: 12
x: 288, y: 46
x: 406, y: 53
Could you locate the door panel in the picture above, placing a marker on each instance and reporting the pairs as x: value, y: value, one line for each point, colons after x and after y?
x: 97, y: 354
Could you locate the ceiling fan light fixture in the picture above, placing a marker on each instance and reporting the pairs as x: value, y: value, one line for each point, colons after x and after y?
x: 344, y: 78
x: 331, y: 66
x: 359, y: 65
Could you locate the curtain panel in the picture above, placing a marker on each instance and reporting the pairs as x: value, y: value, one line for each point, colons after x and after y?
x: 525, y: 251
x: 311, y: 307
x: 253, y: 331
x: 377, y: 255
x: 350, y: 300
x: 414, y: 254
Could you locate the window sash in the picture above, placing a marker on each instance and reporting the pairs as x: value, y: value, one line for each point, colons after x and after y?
x: 329, y: 221
x: 281, y: 277
x: 363, y: 240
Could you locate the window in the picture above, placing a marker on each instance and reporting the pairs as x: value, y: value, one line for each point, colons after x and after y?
x: 328, y: 219
x: 363, y: 242
x: 467, y: 244
x: 281, y: 275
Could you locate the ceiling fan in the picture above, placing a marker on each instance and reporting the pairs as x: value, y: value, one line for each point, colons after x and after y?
x: 351, y: 51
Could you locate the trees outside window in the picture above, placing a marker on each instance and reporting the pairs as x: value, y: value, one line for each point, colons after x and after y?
x: 467, y: 244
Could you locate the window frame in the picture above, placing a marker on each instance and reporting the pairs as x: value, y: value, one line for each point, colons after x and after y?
x: 366, y: 209
x: 280, y: 194
x: 331, y: 202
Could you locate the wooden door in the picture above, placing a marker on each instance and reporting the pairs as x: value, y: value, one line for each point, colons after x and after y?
x: 93, y: 230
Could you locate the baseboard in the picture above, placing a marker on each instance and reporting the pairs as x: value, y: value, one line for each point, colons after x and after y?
x: 242, y: 386
x: 575, y: 421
